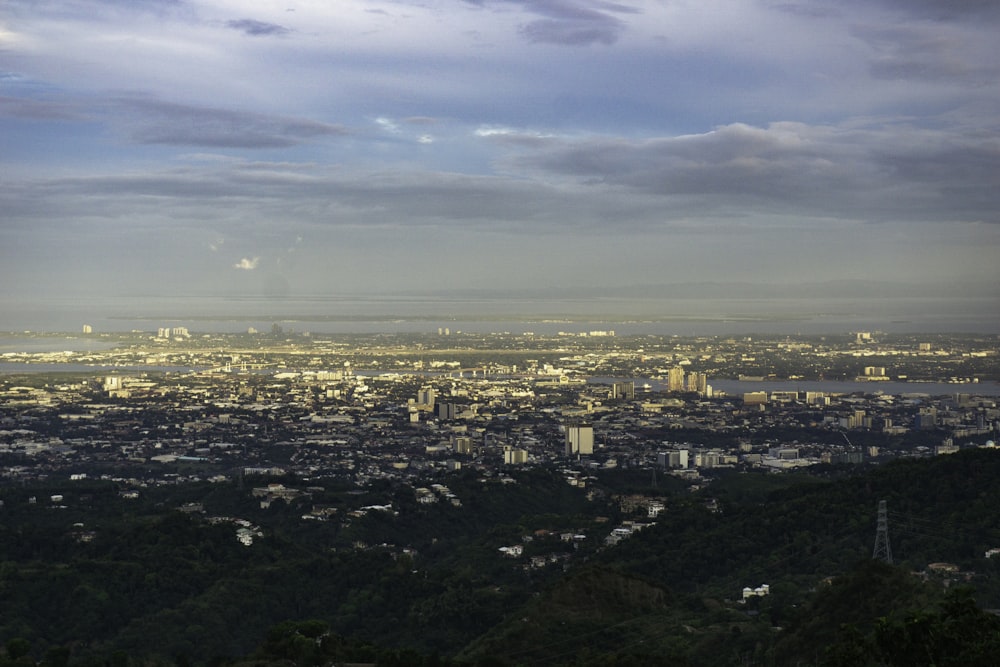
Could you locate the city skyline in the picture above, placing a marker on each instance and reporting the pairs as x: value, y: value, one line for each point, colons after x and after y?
x: 300, y: 148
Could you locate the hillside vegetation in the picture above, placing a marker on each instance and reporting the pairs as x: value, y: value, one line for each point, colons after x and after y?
x: 97, y: 578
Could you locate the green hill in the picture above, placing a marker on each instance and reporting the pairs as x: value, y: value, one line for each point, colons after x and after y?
x: 100, y: 576
x: 795, y: 537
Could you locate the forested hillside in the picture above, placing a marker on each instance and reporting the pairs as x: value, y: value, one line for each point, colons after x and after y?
x: 95, y: 576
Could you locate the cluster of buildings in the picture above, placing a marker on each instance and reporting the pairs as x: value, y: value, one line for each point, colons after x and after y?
x: 375, y: 409
x: 171, y: 332
x: 414, y: 418
x: 397, y: 426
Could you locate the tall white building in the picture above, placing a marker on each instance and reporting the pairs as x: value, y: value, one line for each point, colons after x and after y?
x: 579, y: 439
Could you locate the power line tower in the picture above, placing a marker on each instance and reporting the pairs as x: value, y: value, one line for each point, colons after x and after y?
x: 882, y: 549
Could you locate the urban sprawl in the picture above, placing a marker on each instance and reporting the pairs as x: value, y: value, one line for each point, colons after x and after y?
x: 173, y: 405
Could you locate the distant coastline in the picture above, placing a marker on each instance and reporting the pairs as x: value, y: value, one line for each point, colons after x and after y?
x: 626, y: 314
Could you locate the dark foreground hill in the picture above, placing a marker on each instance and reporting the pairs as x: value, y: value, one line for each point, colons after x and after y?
x: 100, y: 579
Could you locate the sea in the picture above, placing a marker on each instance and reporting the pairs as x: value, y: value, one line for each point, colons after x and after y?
x: 359, y: 314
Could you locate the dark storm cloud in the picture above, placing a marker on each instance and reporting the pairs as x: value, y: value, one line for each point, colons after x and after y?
x: 158, y: 122
x: 570, y: 23
x: 257, y: 28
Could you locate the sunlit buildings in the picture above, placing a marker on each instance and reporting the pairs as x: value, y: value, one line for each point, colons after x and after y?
x: 579, y: 439
x: 697, y: 382
x: 462, y: 444
x: 514, y: 455
x: 675, y: 379
x: 425, y: 397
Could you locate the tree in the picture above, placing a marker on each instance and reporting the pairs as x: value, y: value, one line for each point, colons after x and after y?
x: 956, y: 634
x: 17, y: 650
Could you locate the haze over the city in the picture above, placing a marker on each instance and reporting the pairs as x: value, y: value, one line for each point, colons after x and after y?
x: 302, y: 147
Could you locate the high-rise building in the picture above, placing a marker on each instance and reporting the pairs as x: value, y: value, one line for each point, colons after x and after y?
x: 445, y: 411
x: 514, y: 455
x: 857, y: 419
x: 425, y: 397
x: 675, y: 379
x: 926, y: 419
x: 462, y: 444
x: 673, y: 459
x: 700, y: 383
x: 816, y: 398
x: 625, y: 390
x: 579, y: 439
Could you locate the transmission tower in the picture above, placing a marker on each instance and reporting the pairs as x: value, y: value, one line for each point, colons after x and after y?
x: 882, y: 549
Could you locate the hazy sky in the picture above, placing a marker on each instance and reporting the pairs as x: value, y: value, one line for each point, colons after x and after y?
x: 193, y: 146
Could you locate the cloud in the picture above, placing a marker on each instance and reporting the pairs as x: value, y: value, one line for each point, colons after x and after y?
x: 237, y: 200
x: 391, y: 126
x: 257, y: 28
x: 387, y: 124
x: 576, y: 125
x: 508, y: 135
x: 103, y: 9
x: 874, y: 172
x: 30, y: 109
x: 570, y: 22
x: 951, y: 10
x: 805, y: 9
x: 154, y: 121
x: 886, y: 172
x: 247, y: 264
x: 572, y: 33
x: 917, y: 52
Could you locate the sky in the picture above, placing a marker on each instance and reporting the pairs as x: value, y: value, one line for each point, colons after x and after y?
x: 315, y: 147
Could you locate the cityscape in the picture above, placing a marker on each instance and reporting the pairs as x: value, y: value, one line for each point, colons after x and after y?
x: 499, y: 333
x: 394, y: 406
x: 278, y: 436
